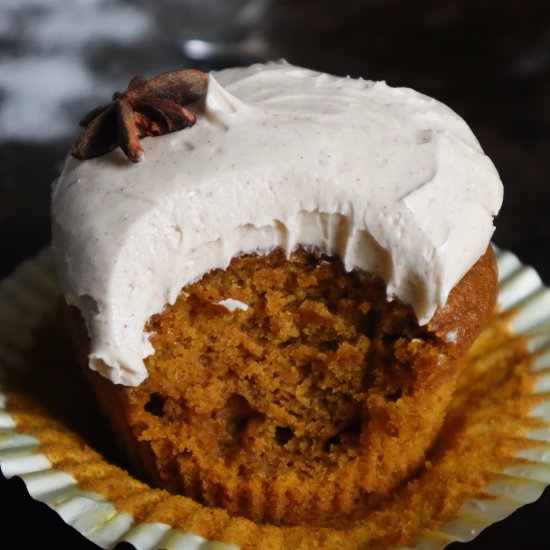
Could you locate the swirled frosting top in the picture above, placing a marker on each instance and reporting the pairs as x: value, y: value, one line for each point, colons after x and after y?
x: 390, y: 180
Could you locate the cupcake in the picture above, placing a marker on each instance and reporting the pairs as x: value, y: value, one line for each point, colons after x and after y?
x: 278, y: 293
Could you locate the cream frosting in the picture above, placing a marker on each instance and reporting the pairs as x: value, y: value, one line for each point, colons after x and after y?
x: 390, y: 180
x: 233, y: 305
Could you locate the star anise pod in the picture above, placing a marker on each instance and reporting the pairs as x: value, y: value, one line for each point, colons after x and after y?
x: 147, y: 108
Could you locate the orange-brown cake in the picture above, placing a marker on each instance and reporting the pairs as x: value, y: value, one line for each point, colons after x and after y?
x: 319, y: 394
x: 277, y: 300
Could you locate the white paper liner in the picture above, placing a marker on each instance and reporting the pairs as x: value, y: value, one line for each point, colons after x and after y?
x: 32, y: 290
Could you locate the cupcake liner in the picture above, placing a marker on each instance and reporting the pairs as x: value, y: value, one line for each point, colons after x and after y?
x: 32, y: 290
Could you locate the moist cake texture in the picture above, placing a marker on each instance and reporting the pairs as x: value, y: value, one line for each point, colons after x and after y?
x: 319, y: 395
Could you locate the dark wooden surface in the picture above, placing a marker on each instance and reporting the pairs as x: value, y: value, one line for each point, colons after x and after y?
x: 488, y: 60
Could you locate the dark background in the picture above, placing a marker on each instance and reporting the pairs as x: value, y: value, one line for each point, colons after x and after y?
x: 488, y: 60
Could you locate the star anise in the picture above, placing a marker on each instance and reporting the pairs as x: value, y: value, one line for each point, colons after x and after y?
x: 147, y: 108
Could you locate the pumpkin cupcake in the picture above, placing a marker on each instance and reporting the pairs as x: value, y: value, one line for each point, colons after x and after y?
x: 278, y: 292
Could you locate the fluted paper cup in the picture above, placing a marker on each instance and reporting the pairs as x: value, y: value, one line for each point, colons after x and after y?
x: 50, y: 467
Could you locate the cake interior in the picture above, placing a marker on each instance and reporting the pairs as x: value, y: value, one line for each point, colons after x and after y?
x: 319, y: 394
